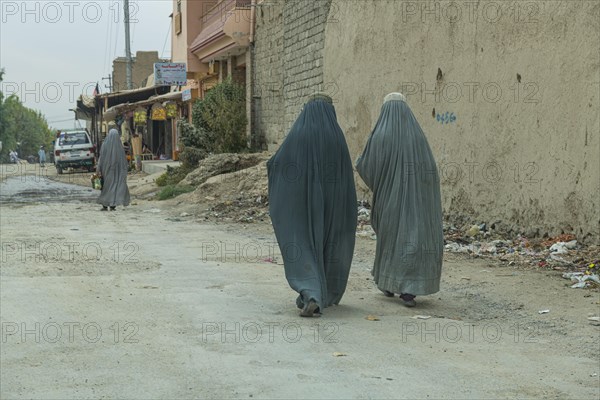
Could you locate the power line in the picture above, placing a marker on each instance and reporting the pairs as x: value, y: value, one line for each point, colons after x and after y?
x: 162, y: 53
x: 61, y: 120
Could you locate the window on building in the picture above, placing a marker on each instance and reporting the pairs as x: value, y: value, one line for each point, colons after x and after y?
x: 177, y: 18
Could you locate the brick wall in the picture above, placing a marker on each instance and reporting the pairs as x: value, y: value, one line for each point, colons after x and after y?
x: 287, y: 64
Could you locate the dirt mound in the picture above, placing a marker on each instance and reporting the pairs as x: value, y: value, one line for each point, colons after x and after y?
x: 219, y: 164
x: 236, y: 196
x: 230, y: 187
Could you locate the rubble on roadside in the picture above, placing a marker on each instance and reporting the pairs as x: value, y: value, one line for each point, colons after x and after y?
x: 561, y: 253
x: 220, y: 164
x: 241, y: 195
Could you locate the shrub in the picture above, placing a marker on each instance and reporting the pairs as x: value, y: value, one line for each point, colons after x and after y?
x: 221, y: 115
x: 173, y: 176
x: 195, y: 137
x: 162, y: 180
x: 170, y: 191
x: 190, y: 157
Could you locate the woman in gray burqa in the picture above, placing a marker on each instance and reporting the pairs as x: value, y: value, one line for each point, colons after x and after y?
x: 398, y: 166
x: 112, y: 166
x: 312, y: 203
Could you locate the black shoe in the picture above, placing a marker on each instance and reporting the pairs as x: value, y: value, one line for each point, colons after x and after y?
x: 408, y: 299
x: 113, y: 208
x: 310, y: 309
x: 387, y: 293
x: 104, y: 208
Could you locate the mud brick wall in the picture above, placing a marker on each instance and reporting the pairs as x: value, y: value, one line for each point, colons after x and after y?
x: 267, y: 77
x: 290, y: 36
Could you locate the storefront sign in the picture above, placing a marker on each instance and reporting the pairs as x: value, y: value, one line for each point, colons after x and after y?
x: 186, y: 95
x: 170, y: 74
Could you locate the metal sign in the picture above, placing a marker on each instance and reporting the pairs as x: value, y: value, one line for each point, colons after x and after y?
x: 173, y: 74
x: 186, y: 95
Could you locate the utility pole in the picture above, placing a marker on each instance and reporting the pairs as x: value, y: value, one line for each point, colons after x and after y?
x: 127, y: 45
x: 109, y: 77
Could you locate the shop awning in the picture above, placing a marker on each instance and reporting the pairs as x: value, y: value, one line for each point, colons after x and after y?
x: 130, y: 96
x: 113, y: 111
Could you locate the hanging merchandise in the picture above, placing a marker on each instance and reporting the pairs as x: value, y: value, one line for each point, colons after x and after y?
x: 139, y: 116
x: 158, y: 112
x: 171, y: 108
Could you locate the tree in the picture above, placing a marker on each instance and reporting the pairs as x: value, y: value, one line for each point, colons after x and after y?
x: 21, y: 127
x: 222, y: 113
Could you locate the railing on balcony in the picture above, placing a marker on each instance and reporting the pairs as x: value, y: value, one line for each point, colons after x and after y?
x: 221, y: 10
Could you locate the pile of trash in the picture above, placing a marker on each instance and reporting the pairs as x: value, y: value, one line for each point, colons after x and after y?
x: 561, y: 253
x: 364, y: 229
x: 583, y: 279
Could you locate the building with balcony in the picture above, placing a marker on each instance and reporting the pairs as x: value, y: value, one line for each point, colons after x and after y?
x: 212, y: 37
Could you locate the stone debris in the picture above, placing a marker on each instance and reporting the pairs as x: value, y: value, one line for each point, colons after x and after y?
x: 234, y: 188
x: 563, y: 252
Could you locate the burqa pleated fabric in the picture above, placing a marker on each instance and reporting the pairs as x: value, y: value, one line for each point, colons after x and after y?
x: 398, y: 166
x: 112, y: 164
x: 312, y: 203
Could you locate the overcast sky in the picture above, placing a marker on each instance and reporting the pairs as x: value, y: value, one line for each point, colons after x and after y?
x: 52, y: 51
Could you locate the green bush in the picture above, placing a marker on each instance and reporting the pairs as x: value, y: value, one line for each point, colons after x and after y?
x: 170, y: 191
x: 195, y: 137
x: 190, y: 157
x: 162, y: 180
x: 173, y: 176
x: 221, y: 118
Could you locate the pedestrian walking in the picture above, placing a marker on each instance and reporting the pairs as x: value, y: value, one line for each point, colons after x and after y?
x: 112, y: 166
x: 42, y: 157
x: 398, y: 166
x: 312, y: 203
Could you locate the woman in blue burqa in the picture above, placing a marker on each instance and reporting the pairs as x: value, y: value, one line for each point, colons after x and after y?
x: 312, y: 203
x: 398, y: 166
x: 112, y: 166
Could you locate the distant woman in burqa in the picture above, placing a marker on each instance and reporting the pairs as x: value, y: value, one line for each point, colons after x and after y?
x: 398, y: 166
x: 112, y: 166
x: 312, y: 203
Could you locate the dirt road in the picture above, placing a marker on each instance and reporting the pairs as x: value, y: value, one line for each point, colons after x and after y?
x: 147, y: 302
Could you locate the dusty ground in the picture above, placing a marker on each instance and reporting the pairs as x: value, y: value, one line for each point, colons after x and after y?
x: 157, y: 301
